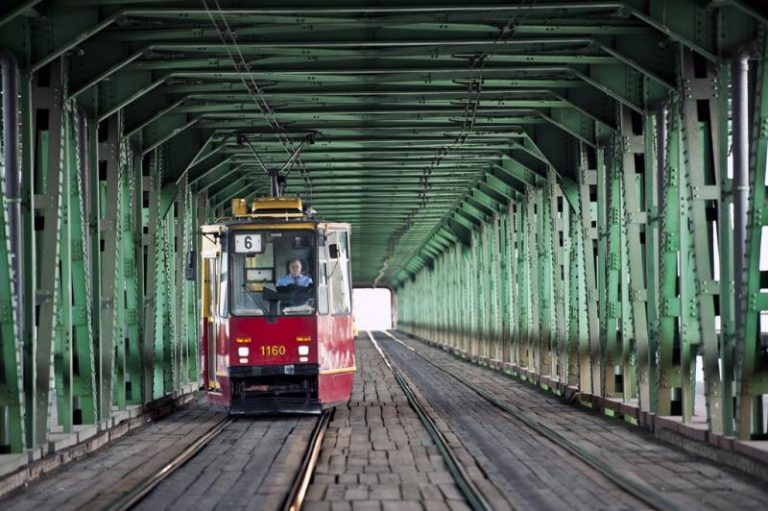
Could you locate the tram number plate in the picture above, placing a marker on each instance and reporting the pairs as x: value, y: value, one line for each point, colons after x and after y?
x: 272, y: 351
x: 247, y: 243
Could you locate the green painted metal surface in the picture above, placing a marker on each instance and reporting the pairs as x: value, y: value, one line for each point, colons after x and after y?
x: 543, y: 182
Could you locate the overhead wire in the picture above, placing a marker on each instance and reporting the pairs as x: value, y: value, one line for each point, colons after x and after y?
x: 243, y: 69
x: 507, y: 33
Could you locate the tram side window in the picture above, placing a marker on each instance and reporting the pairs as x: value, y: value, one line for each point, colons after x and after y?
x: 322, y: 277
x: 338, y: 273
x: 223, y: 302
x: 211, y: 269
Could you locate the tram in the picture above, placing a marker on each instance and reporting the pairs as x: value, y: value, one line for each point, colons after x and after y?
x: 276, y: 306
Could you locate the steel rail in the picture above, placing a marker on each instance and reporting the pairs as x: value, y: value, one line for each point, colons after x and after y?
x: 474, y: 498
x: 298, y: 491
x: 638, y: 490
x: 135, y: 495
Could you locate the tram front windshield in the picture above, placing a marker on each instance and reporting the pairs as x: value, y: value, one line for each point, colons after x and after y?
x: 272, y: 273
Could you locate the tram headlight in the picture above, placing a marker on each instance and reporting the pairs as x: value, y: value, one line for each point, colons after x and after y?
x: 303, y: 350
x: 243, y: 351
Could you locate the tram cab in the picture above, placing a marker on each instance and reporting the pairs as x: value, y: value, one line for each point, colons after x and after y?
x: 276, y: 298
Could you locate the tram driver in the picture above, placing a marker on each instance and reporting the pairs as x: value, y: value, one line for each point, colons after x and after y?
x: 294, y: 276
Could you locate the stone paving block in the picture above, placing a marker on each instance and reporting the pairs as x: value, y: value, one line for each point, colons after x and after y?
x: 316, y: 492
x: 356, y: 492
x: 403, y: 505
x: 348, y: 479
x: 316, y: 506
x: 385, y: 492
x: 366, y: 505
x: 341, y: 506
x: 335, y: 492
x: 387, y: 478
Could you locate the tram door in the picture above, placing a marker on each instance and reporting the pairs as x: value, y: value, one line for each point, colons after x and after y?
x: 211, y: 269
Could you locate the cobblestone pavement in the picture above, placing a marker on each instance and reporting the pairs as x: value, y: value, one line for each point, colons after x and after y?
x: 249, y: 465
x: 98, y: 479
x: 376, y: 454
x: 536, y: 473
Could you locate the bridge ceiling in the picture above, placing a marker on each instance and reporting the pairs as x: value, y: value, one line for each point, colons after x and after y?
x: 420, y: 120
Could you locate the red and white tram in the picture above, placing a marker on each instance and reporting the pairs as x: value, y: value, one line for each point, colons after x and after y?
x: 276, y: 338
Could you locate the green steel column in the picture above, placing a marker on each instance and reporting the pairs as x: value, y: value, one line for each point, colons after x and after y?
x: 701, y: 173
x: 636, y: 220
x: 559, y: 293
x: 166, y: 289
x: 190, y: 292
x: 606, y: 367
x: 569, y: 308
x: 11, y: 399
x: 82, y: 278
x: 533, y: 283
x: 689, y: 331
x: 93, y: 200
x: 590, y: 364
x: 725, y: 245
x: 130, y: 271
x: 669, y: 302
x: 49, y: 165
x: 63, y: 333
x: 171, y: 340
x: 122, y: 207
x: 482, y: 303
x: 654, y: 140
x: 547, y: 357
x: 153, y: 299
x: 110, y: 170
x: 475, y: 293
x: 507, y: 295
x: 456, y: 297
x: 609, y: 182
x: 510, y: 296
x: 578, y: 371
x: 493, y: 289
x: 753, y: 377
x: 143, y: 248
x: 467, y: 302
x: 29, y: 330
x: 628, y: 372
x: 180, y: 319
x: 523, y: 287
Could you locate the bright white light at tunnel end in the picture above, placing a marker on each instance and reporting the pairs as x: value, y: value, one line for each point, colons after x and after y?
x: 373, y: 308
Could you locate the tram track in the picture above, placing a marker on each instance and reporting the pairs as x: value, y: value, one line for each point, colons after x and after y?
x: 132, y: 497
x: 297, y: 491
x: 471, y: 493
x: 642, y: 492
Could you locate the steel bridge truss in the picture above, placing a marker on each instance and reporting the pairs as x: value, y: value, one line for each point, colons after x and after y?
x: 576, y: 189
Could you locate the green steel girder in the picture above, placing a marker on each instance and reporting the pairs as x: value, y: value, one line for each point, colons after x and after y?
x: 523, y: 171
x: 498, y: 196
x: 472, y: 213
x: 502, y: 179
x: 688, y: 22
x: 479, y: 205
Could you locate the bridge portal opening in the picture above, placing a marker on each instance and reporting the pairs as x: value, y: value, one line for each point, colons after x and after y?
x: 373, y: 308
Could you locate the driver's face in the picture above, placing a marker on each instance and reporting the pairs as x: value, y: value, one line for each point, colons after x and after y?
x: 295, y: 268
